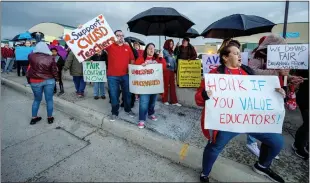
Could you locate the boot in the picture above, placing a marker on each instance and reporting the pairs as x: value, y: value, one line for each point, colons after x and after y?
x: 61, y: 87
x: 55, y: 89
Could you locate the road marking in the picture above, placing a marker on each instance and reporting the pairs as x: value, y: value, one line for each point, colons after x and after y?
x: 184, y: 151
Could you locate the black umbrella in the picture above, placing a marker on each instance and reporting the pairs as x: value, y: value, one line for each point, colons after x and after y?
x: 191, y: 33
x: 159, y: 21
x: 237, y: 25
x: 133, y: 39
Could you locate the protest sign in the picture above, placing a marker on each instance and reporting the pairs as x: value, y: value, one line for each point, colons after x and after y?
x: 146, y: 79
x: 90, y: 38
x: 94, y: 72
x: 244, y: 104
x: 189, y: 73
x: 211, y: 61
x: 295, y: 56
x: 22, y: 52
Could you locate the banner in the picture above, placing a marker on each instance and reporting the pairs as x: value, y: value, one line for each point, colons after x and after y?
x: 94, y: 71
x: 22, y: 52
x: 244, y: 104
x: 90, y: 38
x: 146, y: 79
x: 210, y: 62
x: 294, y: 56
x: 189, y: 73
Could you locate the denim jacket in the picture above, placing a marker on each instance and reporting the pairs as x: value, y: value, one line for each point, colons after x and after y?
x: 171, y: 62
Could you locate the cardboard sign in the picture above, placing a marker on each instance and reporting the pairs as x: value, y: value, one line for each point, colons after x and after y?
x: 146, y: 80
x: 22, y: 52
x: 189, y: 73
x: 244, y: 104
x: 92, y: 37
x: 212, y: 61
x: 94, y: 71
x: 288, y: 56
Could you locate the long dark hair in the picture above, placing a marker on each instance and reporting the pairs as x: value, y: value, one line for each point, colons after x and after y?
x: 155, y: 56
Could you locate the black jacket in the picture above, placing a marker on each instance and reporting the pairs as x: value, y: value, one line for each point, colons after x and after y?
x: 102, y: 57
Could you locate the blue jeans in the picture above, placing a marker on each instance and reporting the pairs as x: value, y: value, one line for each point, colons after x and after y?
x: 79, y: 84
x: 272, y: 144
x: 47, y: 87
x: 250, y: 139
x: 146, y: 105
x: 8, y: 64
x: 99, y: 89
x: 114, y: 83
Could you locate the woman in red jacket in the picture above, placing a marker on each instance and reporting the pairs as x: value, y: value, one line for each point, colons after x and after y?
x: 230, y: 59
x: 147, y: 101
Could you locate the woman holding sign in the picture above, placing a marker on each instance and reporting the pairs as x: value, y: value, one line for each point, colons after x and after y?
x: 272, y: 143
x: 147, y: 101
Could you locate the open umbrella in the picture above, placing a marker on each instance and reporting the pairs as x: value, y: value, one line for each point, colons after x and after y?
x: 190, y: 33
x: 133, y: 39
x: 237, y: 25
x: 159, y: 21
x: 22, y: 36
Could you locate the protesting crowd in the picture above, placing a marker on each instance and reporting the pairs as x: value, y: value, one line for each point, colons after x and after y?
x: 45, y: 67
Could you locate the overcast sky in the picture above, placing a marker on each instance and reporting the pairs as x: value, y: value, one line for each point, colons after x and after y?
x: 18, y: 17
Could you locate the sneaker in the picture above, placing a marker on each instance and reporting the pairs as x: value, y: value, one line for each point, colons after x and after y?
x: 300, y: 153
x: 141, y: 124
x: 113, y: 117
x: 253, y: 148
x: 35, y: 120
x: 103, y: 97
x: 131, y: 114
x: 50, y: 120
x: 204, y: 178
x: 153, y: 118
x: 177, y: 104
x: 96, y: 97
x: 166, y: 103
x: 267, y: 172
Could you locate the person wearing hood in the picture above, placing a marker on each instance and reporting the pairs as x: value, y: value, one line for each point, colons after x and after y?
x: 76, y: 71
x: 272, y: 143
x: 60, y: 64
x: 42, y: 73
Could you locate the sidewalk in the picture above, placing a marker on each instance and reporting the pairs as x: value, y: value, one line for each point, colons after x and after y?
x: 183, y: 124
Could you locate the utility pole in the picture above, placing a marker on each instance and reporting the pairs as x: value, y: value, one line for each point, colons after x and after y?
x: 285, y: 18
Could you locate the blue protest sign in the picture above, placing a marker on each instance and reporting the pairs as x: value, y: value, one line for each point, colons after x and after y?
x: 22, y: 52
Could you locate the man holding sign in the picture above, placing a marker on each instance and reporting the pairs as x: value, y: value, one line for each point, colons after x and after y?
x: 120, y: 56
x: 260, y: 117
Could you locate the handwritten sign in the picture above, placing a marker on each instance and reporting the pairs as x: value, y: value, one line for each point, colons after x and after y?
x: 90, y: 38
x: 211, y: 61
x: 146, y: 80
x: 22, y: 52
x: 288, y: 56
x: 189, y: 73
x: 244, y: 104
x: 94, y: 72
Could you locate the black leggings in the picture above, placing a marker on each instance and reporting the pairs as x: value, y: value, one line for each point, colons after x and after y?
x: 301, y: 136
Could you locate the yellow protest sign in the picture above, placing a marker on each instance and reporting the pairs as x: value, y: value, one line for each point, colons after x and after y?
x: 189, y: 73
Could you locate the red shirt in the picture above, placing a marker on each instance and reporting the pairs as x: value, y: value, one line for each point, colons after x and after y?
x: 118, y: 59
x: 162, y: 61
x: 140, y: 53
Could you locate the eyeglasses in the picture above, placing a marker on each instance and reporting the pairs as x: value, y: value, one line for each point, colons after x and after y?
x: 119, y: 35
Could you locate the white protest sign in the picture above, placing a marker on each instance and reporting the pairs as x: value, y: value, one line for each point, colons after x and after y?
x: 90, y: 38
x: 244, y: 104
x: 295, y: 56
x: 211, y: 61
x: 147, y: 79
x: 94, y: 71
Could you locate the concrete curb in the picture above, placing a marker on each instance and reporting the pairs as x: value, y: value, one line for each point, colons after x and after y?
x: 224, y: 170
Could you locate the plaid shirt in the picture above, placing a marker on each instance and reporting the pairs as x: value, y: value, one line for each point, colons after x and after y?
x: 7, y: 52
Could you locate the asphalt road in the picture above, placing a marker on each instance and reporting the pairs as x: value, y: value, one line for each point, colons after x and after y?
x: 70, y: 150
